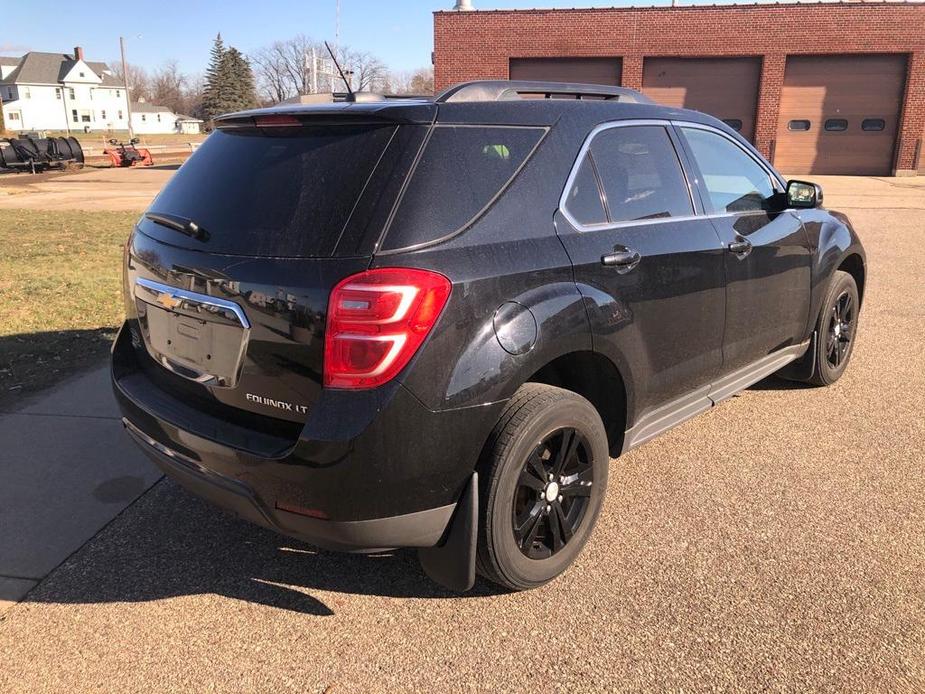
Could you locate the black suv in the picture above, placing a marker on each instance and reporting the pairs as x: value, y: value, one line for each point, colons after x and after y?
x: 422, y: 323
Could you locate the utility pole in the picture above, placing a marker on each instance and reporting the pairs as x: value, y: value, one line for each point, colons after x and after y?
x: 128, y: 94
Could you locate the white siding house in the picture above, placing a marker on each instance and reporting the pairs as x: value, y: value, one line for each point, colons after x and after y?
x: 60, y: 91
x: 148, y: 119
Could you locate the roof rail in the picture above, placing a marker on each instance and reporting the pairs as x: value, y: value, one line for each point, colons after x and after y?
x: 509, y: 90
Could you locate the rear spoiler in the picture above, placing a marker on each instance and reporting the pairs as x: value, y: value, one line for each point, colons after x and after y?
x: 340, y: 112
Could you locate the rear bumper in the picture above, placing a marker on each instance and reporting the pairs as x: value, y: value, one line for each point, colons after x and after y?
x: 419, y: 529
x: 370, y: 470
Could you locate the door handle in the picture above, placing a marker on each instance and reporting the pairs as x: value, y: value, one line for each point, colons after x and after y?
x: 623, y: 261
x: 741, y: 247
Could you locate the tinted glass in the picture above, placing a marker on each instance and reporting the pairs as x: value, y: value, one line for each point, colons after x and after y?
x: 735, y: 182
x: 274, y: 191
x: 640, y: 173
x: 460, y: 172
x: 873, y: 124
x: 836, y: 124
x: 798, y: 125
x: 733, y: 123
x: 584, y: 199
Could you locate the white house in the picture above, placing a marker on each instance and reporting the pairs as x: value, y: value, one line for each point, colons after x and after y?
x: 59, y: 91
x: 149, y: 119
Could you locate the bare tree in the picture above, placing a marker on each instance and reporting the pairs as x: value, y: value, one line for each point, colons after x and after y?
x: 272, y: 74
x: 138, y: 81
x: 195, y: 90
x: 417, y: 82
x: 367, y: 72
x: 284, y: 69
x: 169, y: 87
x: 422, y: 82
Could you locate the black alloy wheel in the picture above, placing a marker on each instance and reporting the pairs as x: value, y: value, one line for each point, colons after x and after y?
x: 836, y: 330
x: 552, y: 493
x: 541, y: 486
x: 841, y: 330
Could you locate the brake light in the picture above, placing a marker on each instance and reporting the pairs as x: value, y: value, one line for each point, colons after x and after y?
x: 276, y: 120
x: 376, y: 321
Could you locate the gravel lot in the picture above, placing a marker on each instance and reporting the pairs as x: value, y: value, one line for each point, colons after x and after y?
x: 777, y: 542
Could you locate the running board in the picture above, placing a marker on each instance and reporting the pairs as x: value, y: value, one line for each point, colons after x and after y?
x: 687, y: 406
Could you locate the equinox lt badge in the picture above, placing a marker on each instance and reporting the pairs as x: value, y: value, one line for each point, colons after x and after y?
x: 278, y: 404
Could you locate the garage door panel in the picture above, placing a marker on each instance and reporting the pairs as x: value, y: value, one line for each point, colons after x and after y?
x: 580, y: 70
x: 723, y: 87
x: 850, y: 88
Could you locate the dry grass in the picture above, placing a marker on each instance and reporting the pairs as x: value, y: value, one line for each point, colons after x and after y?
x: 60, y: 283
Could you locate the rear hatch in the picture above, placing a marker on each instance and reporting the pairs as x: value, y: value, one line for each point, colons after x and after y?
x: 230, y: 269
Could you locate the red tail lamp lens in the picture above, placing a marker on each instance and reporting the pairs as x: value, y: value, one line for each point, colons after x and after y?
x: 276, y: 120
x: 376, y: 321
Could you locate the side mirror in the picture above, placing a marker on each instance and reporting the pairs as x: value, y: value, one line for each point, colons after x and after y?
x: 113, y: 141
x: 804, y: 195
x: 134, y: 141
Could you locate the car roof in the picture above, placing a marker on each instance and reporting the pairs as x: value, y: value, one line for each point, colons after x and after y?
x: 491, y: 102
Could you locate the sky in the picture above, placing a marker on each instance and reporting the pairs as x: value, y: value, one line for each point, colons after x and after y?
x: 399, y: 32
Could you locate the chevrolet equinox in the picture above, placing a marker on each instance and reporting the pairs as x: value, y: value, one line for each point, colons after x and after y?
x: 430, y: 323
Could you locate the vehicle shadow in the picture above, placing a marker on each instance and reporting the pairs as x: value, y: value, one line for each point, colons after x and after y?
x: 170, y: 543
x: 778, y: 383
x: 32, y: 362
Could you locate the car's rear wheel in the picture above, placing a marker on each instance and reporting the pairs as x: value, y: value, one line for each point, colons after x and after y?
x: 836, y: 329
x: 542, y: 486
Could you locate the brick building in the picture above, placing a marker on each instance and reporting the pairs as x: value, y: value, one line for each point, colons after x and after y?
x: 819, y: 88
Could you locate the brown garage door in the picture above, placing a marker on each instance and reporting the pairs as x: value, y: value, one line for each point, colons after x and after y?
x: 839, y: 114
x: 723, y: 87
x: 582, y: 70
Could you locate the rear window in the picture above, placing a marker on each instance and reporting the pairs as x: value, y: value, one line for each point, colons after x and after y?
x: 272, y: 191
x: 461, y: 171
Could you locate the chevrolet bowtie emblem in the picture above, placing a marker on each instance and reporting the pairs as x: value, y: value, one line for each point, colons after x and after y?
x: 168, y: 300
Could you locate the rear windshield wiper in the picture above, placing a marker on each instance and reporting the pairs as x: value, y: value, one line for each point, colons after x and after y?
x: 178, y: 223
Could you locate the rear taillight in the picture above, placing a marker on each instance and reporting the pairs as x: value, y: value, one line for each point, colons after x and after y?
x: 376, y: 321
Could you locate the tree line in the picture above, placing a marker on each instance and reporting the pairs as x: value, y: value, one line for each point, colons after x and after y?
x: 279, y: 71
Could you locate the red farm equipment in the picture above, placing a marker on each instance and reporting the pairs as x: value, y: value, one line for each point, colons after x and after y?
x: 121, y: 154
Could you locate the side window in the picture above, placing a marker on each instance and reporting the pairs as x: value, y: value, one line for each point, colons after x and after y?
x: 735, y: 182
x: 584, y: 199
x: 640, y: 173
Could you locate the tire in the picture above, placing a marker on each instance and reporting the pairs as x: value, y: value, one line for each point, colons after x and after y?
x: 830, y: 365
x: 533, y: 428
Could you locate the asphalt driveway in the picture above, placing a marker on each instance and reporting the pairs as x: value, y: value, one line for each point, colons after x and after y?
x: 776, y: 542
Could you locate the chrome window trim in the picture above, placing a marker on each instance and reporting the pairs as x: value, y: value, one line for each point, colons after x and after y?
x: 582, y: 153
x: 192, y: 298
x: 772, y: 175
x: 776, y: 180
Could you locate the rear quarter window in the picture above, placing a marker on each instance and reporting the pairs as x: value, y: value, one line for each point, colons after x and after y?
x: 462, y: 170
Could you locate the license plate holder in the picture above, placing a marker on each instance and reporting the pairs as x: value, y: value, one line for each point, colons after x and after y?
x: 199, y: 337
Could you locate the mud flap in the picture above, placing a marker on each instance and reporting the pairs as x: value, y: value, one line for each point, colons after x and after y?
x: 452, y: 563
x: 803, y: 368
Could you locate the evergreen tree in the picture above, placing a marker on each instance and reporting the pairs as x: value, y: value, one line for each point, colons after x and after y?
x: 214, y: 94
x: 229, y: 82
x: 239, y: 78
